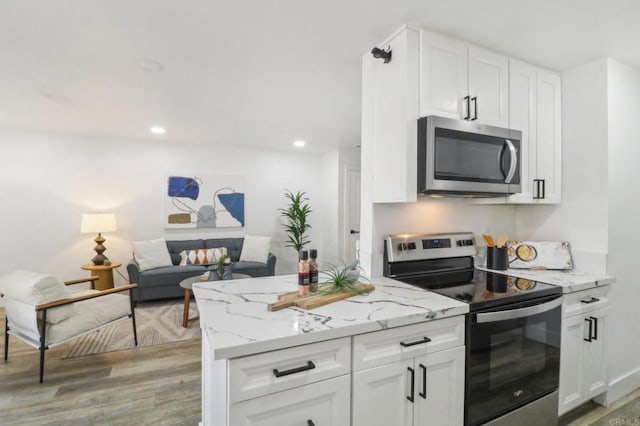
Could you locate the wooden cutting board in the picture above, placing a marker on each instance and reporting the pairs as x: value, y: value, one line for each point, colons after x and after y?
x: 291, y: 298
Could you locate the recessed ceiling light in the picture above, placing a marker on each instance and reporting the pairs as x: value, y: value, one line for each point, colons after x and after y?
x: 299, y: 143
x: 150, y: 65
x: 157, y: 130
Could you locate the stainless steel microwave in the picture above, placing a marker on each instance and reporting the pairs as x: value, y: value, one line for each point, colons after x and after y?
x: 464, y: 158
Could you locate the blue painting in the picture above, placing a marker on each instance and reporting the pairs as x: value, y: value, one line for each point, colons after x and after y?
x: 204, y: 201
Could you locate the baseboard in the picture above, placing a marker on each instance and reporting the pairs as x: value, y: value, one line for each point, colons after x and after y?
x: 619, y: 388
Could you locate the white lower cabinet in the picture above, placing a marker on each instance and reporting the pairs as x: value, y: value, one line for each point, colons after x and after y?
x: 583, y: 373
x: 380, y: 395
x: 424, y: 387
x: 326, y: 403
x: 401, y: 376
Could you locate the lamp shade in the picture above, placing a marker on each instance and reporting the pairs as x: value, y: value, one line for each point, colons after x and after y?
x: 98, y: 222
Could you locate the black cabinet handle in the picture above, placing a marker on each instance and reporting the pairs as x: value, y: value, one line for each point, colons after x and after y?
x: 590, y: 329
x: 310, y: 366
x: 468, y: 116
x: 595, y: 328
x: 475, y: 108
x: 544, y: 192
x: 423, y: 394
x: 413, y: 383
x: 353, y: 231
x: 592, y: 300
x: 536, y: 182
x: 310, y: 423
x: 417, y: 342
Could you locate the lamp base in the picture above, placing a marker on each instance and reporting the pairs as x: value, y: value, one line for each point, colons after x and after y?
x: 99, y: 259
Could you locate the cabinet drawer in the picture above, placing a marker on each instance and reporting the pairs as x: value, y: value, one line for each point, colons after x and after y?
x: 585, y: 301
x: 325, y: 403
x: 396, y: 344
x: 258, y: 375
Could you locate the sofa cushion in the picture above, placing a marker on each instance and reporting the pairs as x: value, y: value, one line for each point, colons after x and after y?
x: 255, y: 249
x: 33, y: 288
x: 169, y: 275
x: 175, y: 247
x: 202, y: 256
x: 151, y: 254
x: 233, y: 245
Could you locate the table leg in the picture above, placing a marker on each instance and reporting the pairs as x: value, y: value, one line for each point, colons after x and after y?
x: 185, y: 315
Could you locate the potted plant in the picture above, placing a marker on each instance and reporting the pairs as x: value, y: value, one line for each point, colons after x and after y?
x: 296, y: 216
x: 343, y: 278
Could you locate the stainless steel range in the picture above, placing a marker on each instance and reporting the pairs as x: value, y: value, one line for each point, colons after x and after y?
x: 512, y: 330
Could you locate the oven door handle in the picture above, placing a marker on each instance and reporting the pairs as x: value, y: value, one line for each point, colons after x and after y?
x: 518, y: 313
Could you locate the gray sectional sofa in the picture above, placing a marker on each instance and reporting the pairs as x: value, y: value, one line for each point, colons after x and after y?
x: 164, y: 282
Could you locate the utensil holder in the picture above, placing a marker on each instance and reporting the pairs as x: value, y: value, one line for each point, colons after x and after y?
x: 497, y: 258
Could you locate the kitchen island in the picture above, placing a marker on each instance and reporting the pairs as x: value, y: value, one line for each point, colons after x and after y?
x: 261, y: 365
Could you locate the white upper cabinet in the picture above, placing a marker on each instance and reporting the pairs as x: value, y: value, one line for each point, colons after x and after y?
x: 522, y: 115
x: 461, y: 81
x: 430, y: 74
x: 390, y: 121
x: 489, y: 87
x: 443, y: 77
x: 535, y: 110
x: 549, y: 134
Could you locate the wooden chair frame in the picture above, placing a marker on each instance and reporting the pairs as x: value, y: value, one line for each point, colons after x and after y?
x: 62, y: 302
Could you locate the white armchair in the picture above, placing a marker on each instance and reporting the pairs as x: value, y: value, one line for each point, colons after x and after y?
x: 44, y: 313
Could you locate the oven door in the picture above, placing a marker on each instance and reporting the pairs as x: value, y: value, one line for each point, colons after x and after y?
x: 513, y: 357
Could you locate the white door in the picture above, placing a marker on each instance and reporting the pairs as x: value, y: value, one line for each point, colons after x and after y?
x: 489, y: 87
x: 380, y: 395
x: 324, y: 403
x: 352, y: 214
x: 595, y: 372
x: 443, y: 76
x: 522, y: 116
x: 571, y: 363
x: 440, y: 388
x: 549, y: 134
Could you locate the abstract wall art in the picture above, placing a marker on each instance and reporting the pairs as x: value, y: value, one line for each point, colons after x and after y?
x: 200, y: 200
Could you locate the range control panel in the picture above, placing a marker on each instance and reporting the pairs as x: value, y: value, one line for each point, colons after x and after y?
x: 403, y: 247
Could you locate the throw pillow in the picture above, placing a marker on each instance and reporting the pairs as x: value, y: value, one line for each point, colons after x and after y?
x: 202, y: 256
x: 34, y: 289
x: 151, y: 254
x: 255, y: 249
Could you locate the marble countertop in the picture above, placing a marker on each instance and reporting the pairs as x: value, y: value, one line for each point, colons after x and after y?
x: 235, y: 317
x: 570, y: 281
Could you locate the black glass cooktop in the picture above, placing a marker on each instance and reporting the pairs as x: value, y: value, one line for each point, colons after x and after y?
x: 488, y: 289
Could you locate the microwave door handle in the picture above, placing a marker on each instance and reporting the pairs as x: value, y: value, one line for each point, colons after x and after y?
x: 514, y: 161
x: 518, y: 313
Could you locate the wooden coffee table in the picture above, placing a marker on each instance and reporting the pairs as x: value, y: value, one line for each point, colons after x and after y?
x: 187, y: 284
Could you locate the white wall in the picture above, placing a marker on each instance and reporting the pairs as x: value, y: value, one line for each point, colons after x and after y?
x: 624, y: 204
x: 47, y: 181
x: 581, y: 218
x: 434, y: 215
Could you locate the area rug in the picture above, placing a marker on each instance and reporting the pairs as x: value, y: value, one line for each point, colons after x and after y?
x: 157, y: 323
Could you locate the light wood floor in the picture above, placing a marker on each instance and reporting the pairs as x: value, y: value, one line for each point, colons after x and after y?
x: 155, y: 385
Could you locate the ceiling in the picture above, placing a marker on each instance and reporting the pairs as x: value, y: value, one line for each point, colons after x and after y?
x: 260, y: 72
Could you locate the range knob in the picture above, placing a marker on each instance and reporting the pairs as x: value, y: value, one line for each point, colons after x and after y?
x: 411, y: 246
x: 402, y: 246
